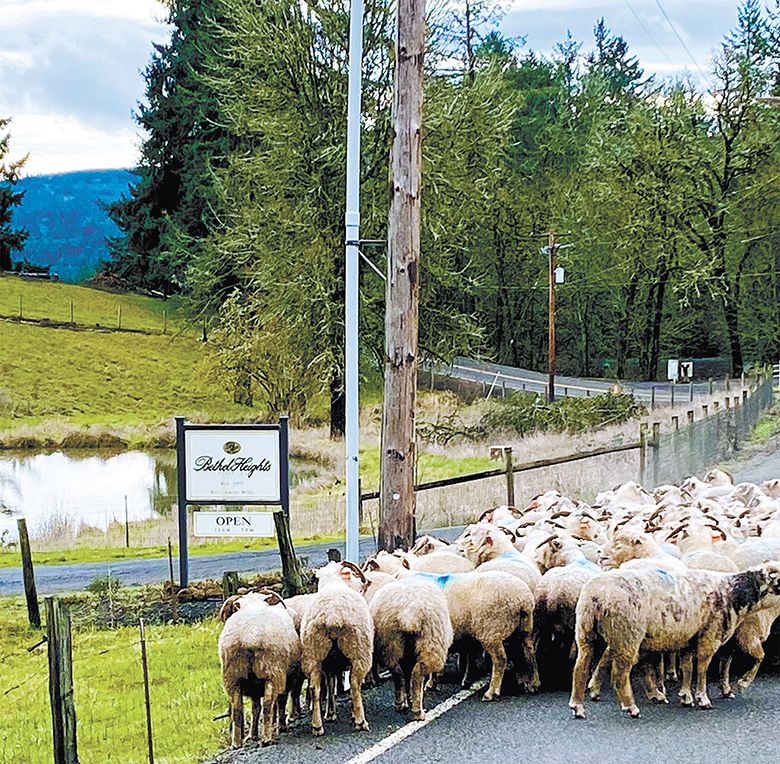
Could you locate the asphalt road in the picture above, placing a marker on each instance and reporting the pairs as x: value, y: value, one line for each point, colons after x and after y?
x: 58, y: 579
x: 493, y: 374
x: 540, y: 729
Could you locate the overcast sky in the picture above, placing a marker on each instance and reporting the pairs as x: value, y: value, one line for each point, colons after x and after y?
x: 70, y: 70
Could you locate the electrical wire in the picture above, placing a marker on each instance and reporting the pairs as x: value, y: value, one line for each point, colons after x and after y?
x: 648, y: 33
x: 682, y: 42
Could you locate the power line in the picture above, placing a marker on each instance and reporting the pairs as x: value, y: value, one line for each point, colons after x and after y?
x: 682, y: 42
x: 648, y: 33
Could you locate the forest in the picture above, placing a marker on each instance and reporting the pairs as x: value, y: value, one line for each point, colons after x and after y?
x: 662, y: 194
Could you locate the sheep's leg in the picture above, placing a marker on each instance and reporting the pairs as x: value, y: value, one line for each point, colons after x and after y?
x: 358, y: 714
x: 529, y: 654
x: 399, y: 682
x: 497, y: 655
x: 330, y: 697
x: 433, y: 683
x: 236, y: 715
x: 650, y: 671
x: 579, y: 678
x: 725, y: 676
x: 416, y: 685
x: 756, y: 651
x: 686, y: 671
x: 254, y: 727
x: 704, y: 655
x: 671, y: 666
x: 269, y: 704
x: 315, y: 683
x: 621, y: 681
x: 594, y: 685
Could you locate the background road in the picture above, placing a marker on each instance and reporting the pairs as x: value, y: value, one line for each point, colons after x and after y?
x: 494, y: 375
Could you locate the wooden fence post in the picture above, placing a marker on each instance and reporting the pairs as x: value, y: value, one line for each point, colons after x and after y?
x: 118, y: 316
x: 652, y: 398
x: 28, y: 574
x: 146, y: 692
x: 510, y: 476
x: 165, y: 321
x: 71, y: 312
x: 705, y: 409
x: 690, y: 416
x: 63, y: 712
x: 292, y: 575
x: 710, y: 385
x: 642, y: 450
x: 230, y: 583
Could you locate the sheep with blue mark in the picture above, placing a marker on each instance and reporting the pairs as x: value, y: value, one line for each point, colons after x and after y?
x: 489, y: 548
x: 656, y: 610
x: 413, y: 633
x: 496, y: 610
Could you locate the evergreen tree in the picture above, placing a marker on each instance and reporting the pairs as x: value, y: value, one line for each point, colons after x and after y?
x: 11, y: 239
x: 170, y: 209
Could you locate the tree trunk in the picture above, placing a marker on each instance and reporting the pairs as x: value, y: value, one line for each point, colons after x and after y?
x: 625, y: 322
x: 398, y: 503
x: 338, y: 410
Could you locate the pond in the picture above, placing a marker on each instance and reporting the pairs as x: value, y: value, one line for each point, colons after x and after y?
x: 59, y: 493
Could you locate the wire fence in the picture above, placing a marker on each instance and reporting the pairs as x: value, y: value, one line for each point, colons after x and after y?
x: 708, y: 435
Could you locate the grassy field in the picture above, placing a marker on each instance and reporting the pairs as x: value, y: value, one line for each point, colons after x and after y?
x: 52, y: 301
x: 186, y: 692
x: 55, y: 380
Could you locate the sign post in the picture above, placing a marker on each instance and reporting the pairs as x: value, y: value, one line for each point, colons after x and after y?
x: 230, y: 465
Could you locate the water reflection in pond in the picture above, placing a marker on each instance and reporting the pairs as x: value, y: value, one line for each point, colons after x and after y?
x: 58, y: 490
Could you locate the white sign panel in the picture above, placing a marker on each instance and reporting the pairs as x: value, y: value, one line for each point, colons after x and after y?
x: 233, y: 523
x: 232, y: 465
x: 672, y: 369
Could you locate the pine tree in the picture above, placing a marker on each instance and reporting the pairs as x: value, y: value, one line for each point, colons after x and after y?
x: 170, y: 209
x: 11, y: 239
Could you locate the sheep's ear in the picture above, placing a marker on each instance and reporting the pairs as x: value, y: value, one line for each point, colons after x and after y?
x: 556, y: 544
x: 371, y: 565
x: 272, y: 598
x: 488, y: 539
x: 229, y: 606
x: 405, y: 563
x: 636, y: 541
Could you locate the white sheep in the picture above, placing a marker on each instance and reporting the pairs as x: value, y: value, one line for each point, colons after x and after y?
x: 413, y: 633
x: 489, y: 548
x: 495, y: 609
x: 258, y: 649
x: 337, y: 633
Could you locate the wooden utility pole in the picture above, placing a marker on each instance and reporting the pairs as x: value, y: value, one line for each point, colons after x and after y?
x: 551, y: 321
x: 397, y: 507
x: 28, y: 575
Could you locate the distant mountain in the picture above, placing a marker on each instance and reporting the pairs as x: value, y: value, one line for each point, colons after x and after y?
x: 67, y: 223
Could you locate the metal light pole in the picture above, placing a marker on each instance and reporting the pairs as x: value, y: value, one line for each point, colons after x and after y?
x: 352, y: 225
x: 551, y: 321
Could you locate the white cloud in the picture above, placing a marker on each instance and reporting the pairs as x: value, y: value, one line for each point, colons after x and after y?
x: 57, y: 143
x: 21, y: 12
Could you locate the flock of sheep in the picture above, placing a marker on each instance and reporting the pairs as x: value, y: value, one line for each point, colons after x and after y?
x: 655, y: 581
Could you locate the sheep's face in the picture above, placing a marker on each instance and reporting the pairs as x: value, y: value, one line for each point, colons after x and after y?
x: 251, y: 600
x: 427, y: 544
x: 551, y: 553
x: 718, y: 477
x: 770, y: 579
x: 624, y: 546
x: 483, y: 542
x: 771, y: 488
x: 584, y: 525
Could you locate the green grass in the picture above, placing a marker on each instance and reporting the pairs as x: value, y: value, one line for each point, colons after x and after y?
x: 185, y: 689
x: 52, y: 300
x: 108, y: 379
x: 10, y: 559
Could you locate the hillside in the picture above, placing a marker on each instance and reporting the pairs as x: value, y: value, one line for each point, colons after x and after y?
x: 56, y: 381
x: 66, y: 220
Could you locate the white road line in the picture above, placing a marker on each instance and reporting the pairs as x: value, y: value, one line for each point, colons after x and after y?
x: 409, y: 729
